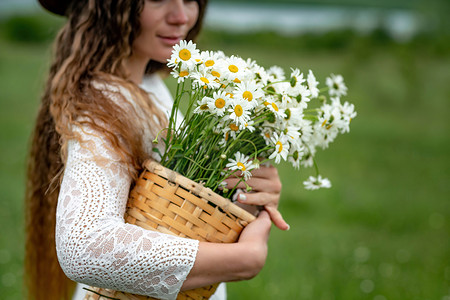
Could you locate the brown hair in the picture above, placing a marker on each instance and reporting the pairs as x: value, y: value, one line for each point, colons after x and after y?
x: 92, y: 46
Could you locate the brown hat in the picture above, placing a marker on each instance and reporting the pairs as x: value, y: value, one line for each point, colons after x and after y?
x: 55, y: 6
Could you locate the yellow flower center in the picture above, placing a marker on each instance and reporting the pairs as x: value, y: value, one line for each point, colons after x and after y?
x: 185, y: 54
x: 204, y: 79
x: 236, y: 80
x: 267, y: 135
x: 220, y: 103
x: 275, y: 106
x: 324, y: 122
x: 280, y: 146
x: 266, y: 103
x: 247, y: 95
x: 226, y: 136
x: 238, y: 110
x: 234, y: 127
x: 184, y: 73
x: 204, y: 107
x: 233, y: 68
x: 209, y: 63
x: 229, y: 95
x: 241, y: 166
x: 215, y: 74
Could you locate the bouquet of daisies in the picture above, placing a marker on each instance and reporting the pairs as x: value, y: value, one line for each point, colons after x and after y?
x: 239, y: 115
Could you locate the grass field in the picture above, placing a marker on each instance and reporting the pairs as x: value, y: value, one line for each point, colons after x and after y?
x: 382, y: 231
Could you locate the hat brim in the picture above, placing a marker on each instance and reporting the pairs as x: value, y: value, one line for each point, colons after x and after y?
x: 55, y: 6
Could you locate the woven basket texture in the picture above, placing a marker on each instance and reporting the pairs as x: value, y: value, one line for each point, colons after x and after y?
x: 165, y: 201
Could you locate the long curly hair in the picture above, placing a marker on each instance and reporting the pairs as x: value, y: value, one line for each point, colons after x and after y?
x: 92, y: 46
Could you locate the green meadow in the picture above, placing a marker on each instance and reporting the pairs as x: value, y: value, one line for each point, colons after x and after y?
x: 380, y: 233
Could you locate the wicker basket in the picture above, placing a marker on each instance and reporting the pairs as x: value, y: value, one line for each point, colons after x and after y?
x: 168, y: 202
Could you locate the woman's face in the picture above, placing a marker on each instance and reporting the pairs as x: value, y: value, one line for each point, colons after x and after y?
x: 163, y: 24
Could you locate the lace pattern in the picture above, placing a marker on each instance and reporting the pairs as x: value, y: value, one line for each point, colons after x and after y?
x: 94, y: 244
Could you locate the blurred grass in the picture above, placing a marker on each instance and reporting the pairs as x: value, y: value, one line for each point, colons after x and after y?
x: 381, y: 232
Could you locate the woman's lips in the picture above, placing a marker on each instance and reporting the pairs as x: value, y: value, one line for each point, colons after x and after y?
x: 170, y: 40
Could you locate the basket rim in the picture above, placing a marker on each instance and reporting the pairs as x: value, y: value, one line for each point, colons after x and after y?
x: 204, y: 192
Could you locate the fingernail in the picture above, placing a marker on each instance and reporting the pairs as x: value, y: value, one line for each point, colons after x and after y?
x: 288, y: 227
x: 242, y: 197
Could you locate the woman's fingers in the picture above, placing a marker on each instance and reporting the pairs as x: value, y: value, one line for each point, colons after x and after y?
x: 265, y: 185
x: 277, y: 218
x: 270, y: 202
x: 260, y: 198
x: 256, y: 183
x: 257, y: 229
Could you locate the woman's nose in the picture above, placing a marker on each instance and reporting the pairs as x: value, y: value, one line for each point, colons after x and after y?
x: 177, y: 13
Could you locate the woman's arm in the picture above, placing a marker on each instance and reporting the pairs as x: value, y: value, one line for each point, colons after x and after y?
x: 96, y: 247
x: 94, y: 244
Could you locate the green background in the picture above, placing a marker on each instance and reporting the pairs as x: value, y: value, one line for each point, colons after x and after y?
x: 381, y: 232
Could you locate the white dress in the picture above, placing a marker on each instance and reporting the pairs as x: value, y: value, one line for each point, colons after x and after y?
x: 95, y: 246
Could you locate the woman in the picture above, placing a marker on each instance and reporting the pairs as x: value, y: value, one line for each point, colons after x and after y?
x: 98, y: 114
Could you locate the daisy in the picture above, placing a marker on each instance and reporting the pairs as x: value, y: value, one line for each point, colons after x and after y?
x: 281, y: 87
x: 240, y: 112
x: 233, y: 68
x: 302, y: 97
x: 306, y: 130
x: 314, y: 183
x: 286, y: 99
x: 324, y: 135
x: 330, y: 118
x: 261, y: 75
x: 185, y: 53
x: 249, y: 91
x: 295, y: 156
x: 180, y: 73
x: 204, y: 79
x: 281, y: 150
x: 202, y: 106
x: 230, y: 131
x: 251, y: 64
x: 292, y: 134
x: 336, y: 85
x: 209, y: 59
x: 249, y: 126
x: 348, y: 114
x: 308, y: 157
x: 294, y: 116
x: 276, y: 73
x: 295, y: 81
x: 267, y: 133
x: 219, y: 102
x: 312, y: 85
x: 275, y: 107
x: 241, y: 163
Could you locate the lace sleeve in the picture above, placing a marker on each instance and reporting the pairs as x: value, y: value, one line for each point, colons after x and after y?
x: 94, y: 244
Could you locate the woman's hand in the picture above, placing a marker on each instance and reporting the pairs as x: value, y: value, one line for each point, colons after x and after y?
x: 254, y: 239
x: 265, y: 191
x: 220, y: 262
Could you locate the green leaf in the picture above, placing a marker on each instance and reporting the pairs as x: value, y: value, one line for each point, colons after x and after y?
x: 156, y: 150
x: 177, y: 147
